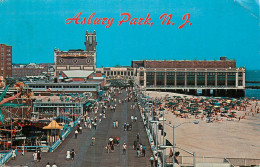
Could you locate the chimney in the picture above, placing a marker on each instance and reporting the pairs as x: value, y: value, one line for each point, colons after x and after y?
x: 223, y: 58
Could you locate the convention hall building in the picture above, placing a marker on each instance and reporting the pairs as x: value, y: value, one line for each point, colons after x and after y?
x: 196, y: 77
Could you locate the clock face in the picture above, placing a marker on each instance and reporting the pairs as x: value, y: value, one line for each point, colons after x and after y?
x: 88, y: 61
x: 61, y: 61
x: 75, y: 61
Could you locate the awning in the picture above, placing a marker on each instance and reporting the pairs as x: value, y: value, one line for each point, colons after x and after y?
x: 87, y: 104
x: 53, y: 125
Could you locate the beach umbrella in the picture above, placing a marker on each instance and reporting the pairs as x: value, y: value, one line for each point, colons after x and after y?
x: 184, y: 111
x: 197, y: 112
x: 233, y: 112
x: 161, y: 109
x: 224, y: 112
x: 232, y: 116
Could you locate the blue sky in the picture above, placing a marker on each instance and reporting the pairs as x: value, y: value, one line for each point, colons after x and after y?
x: 219, y: 28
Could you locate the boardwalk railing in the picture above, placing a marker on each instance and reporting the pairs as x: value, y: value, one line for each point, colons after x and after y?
x: 151, y: 140
x: 76, y: 122
x: 33, y: 148
x: 6, y: 157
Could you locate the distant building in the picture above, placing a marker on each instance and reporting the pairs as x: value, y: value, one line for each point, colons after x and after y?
x: 123, y: 73
x: 5, y: 61
x: 216, y: 78
x: 31, y: 70
x: 47, y: 89
x: 77, y: 59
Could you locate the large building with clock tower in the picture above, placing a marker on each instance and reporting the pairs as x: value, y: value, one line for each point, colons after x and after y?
x: 77, y: 59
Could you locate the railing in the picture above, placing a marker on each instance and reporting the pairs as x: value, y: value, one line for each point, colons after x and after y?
x: 151, y: 138
x: 6, y: 157
x: 54, y: 145
x: 76, y: 122
x: 33, y: 148
x: 188, y: 160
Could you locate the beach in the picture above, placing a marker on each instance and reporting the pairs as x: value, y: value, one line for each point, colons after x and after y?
x: 223, y: 139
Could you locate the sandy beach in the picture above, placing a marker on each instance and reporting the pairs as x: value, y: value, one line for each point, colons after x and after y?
x: 223, y: 139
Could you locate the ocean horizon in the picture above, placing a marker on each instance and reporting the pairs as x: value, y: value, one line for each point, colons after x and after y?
x: 252, y: 75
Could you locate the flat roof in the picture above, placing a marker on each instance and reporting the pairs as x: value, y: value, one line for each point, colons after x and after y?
x: 64, y: 83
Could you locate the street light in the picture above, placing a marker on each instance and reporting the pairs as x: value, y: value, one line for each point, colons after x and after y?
x: 173, y: 142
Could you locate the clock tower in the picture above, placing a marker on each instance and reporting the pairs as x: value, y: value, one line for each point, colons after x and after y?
x: 77, y: 59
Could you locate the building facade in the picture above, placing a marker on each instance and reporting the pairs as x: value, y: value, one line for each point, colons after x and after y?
x: 216, y: 78
x: 5, y: 61
x: 77, y: 59
x: 44, y: 88
x: 112, y: 73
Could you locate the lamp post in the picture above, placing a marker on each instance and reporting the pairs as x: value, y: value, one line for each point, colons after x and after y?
x: 173, y: 140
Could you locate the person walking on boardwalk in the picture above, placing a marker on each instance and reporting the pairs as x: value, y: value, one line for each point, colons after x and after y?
x: 125, y: 126
x: 156, y: 160
x: 112, y: 148
x: 116, y: 123
x: 151, y: 160
x: 48, y: 164
x: 108, y: 147
x: 143, y: 150
x: 35, y: 156
x: 80, y: 129
x: 93, y: 141
x: 68, y: 155
x: 124, y: 147
x: 54, y: 165
x: 137, y: 137
x: 13, y: 154
x: 95, y: 125
x: 76, y: 134
x: 39, y: 156
x: 72, y: 154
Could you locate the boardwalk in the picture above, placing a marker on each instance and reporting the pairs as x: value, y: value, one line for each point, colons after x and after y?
x: 95, y: 156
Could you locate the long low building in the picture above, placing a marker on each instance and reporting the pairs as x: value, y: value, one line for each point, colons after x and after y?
x: 216, y: 78
x: 65, y: 88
